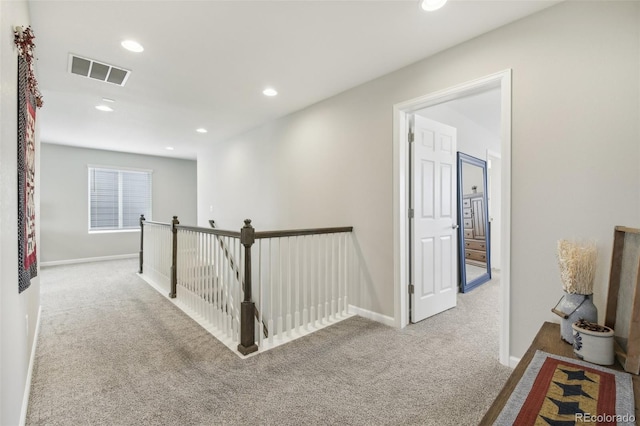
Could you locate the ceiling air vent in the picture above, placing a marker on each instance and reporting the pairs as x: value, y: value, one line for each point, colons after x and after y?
x: 97, y: 70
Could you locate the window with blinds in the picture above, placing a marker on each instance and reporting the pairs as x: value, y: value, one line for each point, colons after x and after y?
x: 117, y: 198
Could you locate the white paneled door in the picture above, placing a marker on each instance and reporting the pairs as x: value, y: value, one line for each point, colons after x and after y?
x: 434, y: 261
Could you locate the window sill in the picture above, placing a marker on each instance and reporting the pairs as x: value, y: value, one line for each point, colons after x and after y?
x: 113, y: 231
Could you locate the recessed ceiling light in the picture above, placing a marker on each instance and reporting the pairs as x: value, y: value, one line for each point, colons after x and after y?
x: 104, y: 108
x: 169, y: 148
x: 132, y: 46
x: 269, y: 91
x: 201, y: 130
x: 108, y: 100
x: 431, y: 5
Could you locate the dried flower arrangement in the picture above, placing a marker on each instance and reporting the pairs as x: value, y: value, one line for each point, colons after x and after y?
x: 577, y: 261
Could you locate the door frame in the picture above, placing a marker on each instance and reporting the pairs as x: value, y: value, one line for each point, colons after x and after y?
x: 492, y: 156
x: 401, y: 196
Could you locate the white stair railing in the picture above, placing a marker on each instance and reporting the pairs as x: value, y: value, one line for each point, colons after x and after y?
x: 208, y: 280
x: 301, y: 282
x: 294, y: 282
x: 156, y: 254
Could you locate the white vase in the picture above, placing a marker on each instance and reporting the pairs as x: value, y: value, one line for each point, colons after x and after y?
x: 593, y: 345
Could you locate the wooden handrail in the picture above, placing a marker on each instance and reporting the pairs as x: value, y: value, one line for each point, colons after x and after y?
x: 216, y: 231
x: 270, y: 234
x: 156, y: 223
x: 298, y: 232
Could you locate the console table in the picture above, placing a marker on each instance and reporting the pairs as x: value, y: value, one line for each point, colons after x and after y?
x: 548, y: 340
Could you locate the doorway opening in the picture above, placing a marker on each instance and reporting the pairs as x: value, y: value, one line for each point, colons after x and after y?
x: 476, y: 119
x: 402, y: 112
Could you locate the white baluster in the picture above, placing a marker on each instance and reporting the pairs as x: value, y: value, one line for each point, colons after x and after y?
x: 287, y: 271
x: 231, y: 302
x: 305, y: 282
x: 203, y: 273
x: 313, y: 288
x: 279, y: 324
x: 210, y: 274
x: 340, y: 274
x: 260, y: 300
x: 239, y: 275
x: 326, y: 279
x: 204, y: 296
x: 270, y: 292
x: 296, y: 268
x: 218, y: 285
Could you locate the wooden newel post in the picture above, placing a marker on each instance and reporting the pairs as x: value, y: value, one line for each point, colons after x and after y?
x: 174, y: 257
x: 247, y: 325
x: 142, y: 219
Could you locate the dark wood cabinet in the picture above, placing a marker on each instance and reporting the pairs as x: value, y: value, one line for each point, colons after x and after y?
x: 475, y: 233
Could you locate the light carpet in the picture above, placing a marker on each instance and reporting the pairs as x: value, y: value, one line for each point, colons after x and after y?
x: 112, y: 351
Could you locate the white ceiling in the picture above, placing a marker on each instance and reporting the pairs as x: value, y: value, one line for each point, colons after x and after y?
x: 206, y: 62
x: 483, y: 108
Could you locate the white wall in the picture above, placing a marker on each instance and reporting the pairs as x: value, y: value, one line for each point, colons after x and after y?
x: 472, y: 175
x: 473, y: 138
x: 575, y: 152
x: 18, y: 312
x: 64, y: 202
x: 289, y: 174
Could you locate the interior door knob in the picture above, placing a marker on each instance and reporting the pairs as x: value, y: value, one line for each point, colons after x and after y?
x: 455, y: 226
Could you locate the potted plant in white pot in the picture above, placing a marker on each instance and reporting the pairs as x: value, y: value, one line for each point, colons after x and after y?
x: 593, y: 342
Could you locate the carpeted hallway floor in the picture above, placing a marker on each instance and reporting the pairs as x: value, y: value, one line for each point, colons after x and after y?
x: 112, y: 351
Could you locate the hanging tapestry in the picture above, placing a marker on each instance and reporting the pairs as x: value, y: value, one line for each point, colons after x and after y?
x: 28, y: 100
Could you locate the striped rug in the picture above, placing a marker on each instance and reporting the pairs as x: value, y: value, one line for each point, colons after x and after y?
x: 560, y: 391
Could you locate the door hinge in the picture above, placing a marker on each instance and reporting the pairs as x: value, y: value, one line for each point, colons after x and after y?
x: 411, y: 213
x: 411, y: 288
x: 411, y: 136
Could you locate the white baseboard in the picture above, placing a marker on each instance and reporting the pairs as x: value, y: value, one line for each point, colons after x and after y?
x: 88, y: 259
x: 27, y: 385
x: 374, y: 316
x: 513, y: 361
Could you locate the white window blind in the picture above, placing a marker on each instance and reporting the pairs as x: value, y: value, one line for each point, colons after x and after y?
x: 117, y: 198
